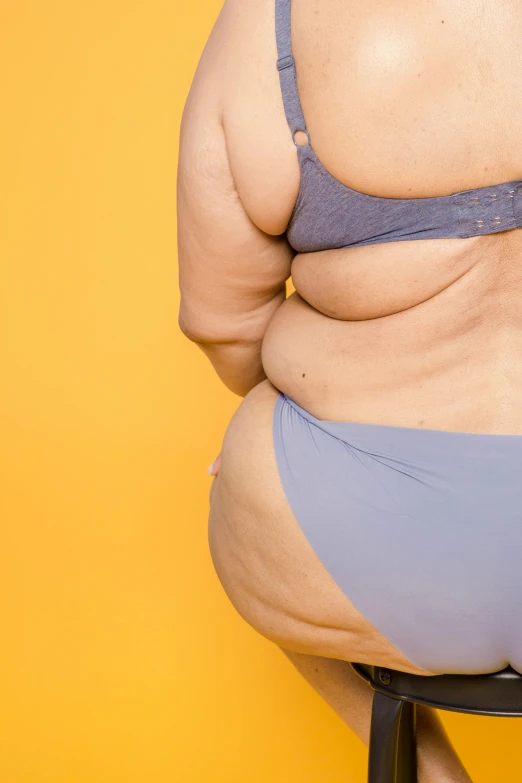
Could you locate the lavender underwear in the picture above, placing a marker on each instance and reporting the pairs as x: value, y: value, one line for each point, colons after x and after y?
x: 421, y: 529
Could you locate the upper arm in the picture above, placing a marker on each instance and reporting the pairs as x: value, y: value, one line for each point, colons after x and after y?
x: 230, y: 271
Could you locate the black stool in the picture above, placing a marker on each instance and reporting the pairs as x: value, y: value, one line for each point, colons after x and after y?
x: 393, y: 751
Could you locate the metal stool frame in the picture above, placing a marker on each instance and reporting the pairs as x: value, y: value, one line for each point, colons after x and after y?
x: 393, y: 750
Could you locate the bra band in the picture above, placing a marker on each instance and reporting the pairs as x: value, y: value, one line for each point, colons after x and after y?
x: 329, y: 214
x: 286, y: 67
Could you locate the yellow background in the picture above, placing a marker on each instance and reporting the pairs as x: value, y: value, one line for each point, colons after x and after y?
x: 121, y: 657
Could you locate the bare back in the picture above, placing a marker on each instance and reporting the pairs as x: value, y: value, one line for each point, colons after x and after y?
x: 403, y: 101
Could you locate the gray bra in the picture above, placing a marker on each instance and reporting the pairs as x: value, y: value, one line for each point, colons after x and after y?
x: 328, y: 214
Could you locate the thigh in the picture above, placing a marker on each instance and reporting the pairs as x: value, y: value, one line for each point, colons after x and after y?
x: 263, y: 560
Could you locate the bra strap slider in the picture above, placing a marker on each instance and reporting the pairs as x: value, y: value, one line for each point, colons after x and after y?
x: 285, y: 62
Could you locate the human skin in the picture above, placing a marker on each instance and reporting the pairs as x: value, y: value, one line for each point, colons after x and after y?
x: 351, y: 698
x: 423, y: 334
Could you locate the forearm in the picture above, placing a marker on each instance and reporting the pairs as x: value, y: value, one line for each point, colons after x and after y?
x: 236, y: 353
x: 238, y: 364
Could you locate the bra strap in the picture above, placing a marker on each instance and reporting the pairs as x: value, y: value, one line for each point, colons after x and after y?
x: 286, y: 67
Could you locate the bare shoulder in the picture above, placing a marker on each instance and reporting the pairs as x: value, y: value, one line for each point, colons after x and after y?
x: 233, y: 256
x: 237, y: 83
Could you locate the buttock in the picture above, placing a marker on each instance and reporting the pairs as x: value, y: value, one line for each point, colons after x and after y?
x: 421, y: 529
x: 267, y: 566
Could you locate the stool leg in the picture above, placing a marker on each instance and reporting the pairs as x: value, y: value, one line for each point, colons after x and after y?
x: 407, y: 750
x: 392, y: 740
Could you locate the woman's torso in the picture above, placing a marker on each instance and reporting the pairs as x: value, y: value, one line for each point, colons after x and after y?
x: 402, y: 100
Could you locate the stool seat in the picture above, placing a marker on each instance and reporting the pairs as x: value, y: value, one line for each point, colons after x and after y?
x: 392, y: 752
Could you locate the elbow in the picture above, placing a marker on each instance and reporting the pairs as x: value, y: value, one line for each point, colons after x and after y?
x: 211, y: 326
x: 195, y: 332
x: 190, y: 323
x: 186, y: 327
x: 206, y: 330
